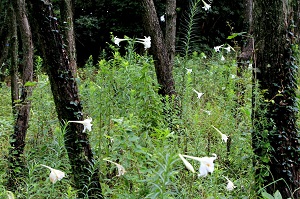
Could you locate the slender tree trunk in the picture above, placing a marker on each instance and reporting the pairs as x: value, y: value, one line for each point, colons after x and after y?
x: 67, y: 102
x: 5, y: 36
x: 276, y: 137
x: 163, y: 65
x: 170, y: 35
x: 14, y: 62
x: 22, y: 109
x: 67, y: 13
x: 246, y: 55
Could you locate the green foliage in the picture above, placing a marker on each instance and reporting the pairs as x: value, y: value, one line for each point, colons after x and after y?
x: 212, y: 27
x: 188, y: 29
x: 276, y: 195
x: 129, y: 128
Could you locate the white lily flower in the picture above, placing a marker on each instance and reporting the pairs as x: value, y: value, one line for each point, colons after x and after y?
x: 206, y: 164
x: 189, y: 70
x: 121, y: 169
x: 198, y: 93
x: 224, y: 137
x: 118, y: 40
x: 86, y: 123
x: 217, y: 48
x: 187, y: 164
x: 230, y: 186
x: 222, y: 58
x: 54, y: 174
x: 146, y: 42
x: 229, y: 48
x: 206, y: 6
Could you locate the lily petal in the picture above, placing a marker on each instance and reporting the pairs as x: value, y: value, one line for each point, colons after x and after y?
x: 54, y: 174
x: 206, y: 6
x: 203, y: 171
x: 187, y: 164
x: 224, y: 137
x: 121, y: 169
x: 86, y: 123
x: 198, y: 93
x: 230, y: 186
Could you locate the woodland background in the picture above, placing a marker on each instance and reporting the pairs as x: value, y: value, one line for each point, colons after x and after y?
x: 60, y: 62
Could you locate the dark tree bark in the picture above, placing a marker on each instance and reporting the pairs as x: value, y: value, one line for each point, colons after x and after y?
x: 170, y: 35
x: 276, y: 73
x: 67, y: 102
x: 67, y: 16
x: 14, y: 62
x: 22, y: 108
x: 5, y: 36
x: 163, y: 64
x: 247, y: 48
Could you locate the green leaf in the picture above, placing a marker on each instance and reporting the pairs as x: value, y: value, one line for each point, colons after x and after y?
x: 30, y: 83
x: 235, y: 35
x: 277, y: 195
x: 265, y: 195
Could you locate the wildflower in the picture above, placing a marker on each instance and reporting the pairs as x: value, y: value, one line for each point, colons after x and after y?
x: 229, y: 48
x: 189, y: 70
x: 217, y: 48
x: 118, y: 40
x: 162, y: 18
x: 187, y: 164
x: 224, y: 137
x: 55, y: 174
x: 198, y: 93
x: 146, y: 42
x: 121, y: 169
x: 222, y: 58
x: 232, y: 76
x: 86, y: 123
x: 206, y: 6
x: 206, y: 164
x: 230, y: 186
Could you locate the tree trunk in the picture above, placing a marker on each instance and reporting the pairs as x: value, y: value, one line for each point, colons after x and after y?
x: 5, y: 36
x: 14, y: 63
x: 22, y: 109
x: 246, y: 55
x: 67, y: 13
x: 67, y: 102
x: 163, y: 65
x: 170, y: 35
x: 276, y: 137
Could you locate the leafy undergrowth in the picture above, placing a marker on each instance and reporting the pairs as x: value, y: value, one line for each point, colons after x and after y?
x: 132, y: 127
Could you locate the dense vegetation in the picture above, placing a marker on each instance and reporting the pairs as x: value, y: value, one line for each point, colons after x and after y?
x: 240, y: 117
x: 129, y: 128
